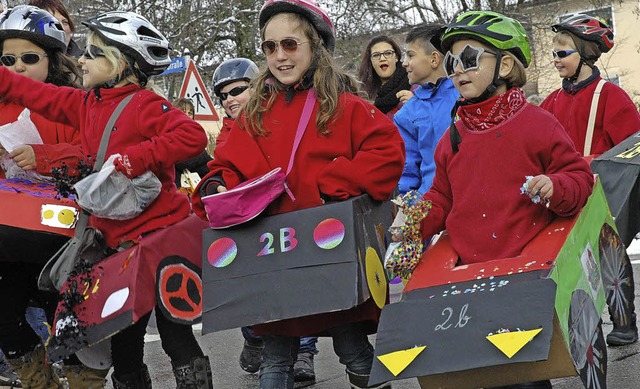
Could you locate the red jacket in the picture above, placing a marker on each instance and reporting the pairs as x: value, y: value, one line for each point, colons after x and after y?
x: 227, y: 123
x: 616, y: 120
x: 476, y: 191
x: 60, y: 143
x: 150, y: 131
x: 364, y: 153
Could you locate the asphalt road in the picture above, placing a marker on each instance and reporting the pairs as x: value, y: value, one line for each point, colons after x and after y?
x: 224, y: 348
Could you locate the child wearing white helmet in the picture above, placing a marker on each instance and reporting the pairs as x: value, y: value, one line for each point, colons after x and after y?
x: 123, y: 51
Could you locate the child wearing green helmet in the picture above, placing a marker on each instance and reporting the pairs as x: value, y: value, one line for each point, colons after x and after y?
x: 498, y: 143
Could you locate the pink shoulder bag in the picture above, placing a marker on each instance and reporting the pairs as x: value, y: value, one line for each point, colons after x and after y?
x: 247, y: 200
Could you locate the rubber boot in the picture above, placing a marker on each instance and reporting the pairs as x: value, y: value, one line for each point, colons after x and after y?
x: 34, y: 371
x: 361, y: 381
x: 83, y: 377
x: 196, y: 375
x: 136, y: 380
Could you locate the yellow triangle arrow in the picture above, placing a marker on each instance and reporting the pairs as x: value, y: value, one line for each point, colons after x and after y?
x: 397, y: 361
x: 512, y: 342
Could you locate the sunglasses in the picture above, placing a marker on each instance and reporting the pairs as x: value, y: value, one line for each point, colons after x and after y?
x: 27, y: 59
x: 563, y: 53
x: 386, y: 54
x: 468, y: 59
x: 91, y: 52
x: 289, y: 45
x: 233, y: 92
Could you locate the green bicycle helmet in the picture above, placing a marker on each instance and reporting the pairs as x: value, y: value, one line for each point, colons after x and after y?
x: 494, y: 29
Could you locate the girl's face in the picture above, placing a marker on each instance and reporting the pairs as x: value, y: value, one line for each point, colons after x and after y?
x: 232, y: 104
x: 65, y: 25
x: 96, y: 70
x: 17, y: 51
x: 568, y: 65
x: 287, y: 65
x: 472, y: 83
x: 383, y: 59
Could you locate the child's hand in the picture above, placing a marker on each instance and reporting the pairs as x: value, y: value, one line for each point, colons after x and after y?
x: 540, y: 185
x: 24, y: 157
x: 404, y: 95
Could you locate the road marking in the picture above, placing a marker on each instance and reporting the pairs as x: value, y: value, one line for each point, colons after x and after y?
x: 636, y: 262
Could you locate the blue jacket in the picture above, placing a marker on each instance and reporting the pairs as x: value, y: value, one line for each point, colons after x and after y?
x: 421, y: 122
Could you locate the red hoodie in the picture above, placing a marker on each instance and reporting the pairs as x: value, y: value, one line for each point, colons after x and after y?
x: 150, y: 131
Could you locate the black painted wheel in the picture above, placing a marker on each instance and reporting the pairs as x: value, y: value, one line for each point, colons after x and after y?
x: 617, y: 276
x: 586, y: 341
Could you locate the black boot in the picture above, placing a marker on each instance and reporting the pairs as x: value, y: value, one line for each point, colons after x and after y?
x: 361, y: 381
x: 196, y: 375
x: 139, y: 379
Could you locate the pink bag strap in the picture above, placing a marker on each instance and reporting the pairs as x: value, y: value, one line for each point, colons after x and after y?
x: 302, y: 126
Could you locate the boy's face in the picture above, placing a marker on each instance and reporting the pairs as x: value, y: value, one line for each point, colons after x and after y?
x: 473, y: 83
x: 420, y: 64
x: 568, y: 65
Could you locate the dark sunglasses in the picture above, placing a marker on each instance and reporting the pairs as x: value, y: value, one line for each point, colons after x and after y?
x: 468, y: 59
x: 563, y: 53
x: 289, y: 45
x: 233, y: 92
x: 27, y: 59
x: 91, y: 52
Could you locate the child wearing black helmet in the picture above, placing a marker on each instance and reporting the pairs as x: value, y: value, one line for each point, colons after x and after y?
x: 597, y: 115
x: 123, y: 51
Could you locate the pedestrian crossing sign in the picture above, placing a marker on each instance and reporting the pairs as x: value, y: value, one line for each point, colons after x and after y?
x: 193, y: 88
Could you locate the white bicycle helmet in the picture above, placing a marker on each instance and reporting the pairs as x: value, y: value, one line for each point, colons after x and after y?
x: 33, y: 24
x: 136, y: 37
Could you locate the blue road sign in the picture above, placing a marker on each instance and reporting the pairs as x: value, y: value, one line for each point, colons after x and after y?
x: 177, y: 65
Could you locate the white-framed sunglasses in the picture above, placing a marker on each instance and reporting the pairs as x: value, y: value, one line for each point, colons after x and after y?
x: 468, y: 59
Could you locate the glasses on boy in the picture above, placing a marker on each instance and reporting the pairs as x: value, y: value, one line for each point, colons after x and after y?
x: 563, y: 53
x: 468, y: 59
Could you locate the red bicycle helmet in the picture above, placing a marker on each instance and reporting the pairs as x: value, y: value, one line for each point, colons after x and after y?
x: 588, y: 28
x: 309, y: 9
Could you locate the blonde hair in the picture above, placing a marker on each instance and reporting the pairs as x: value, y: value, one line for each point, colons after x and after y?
x: 329, y: 82
x: 118, y: 62
x: 518, y: 75
x: 564, y: 38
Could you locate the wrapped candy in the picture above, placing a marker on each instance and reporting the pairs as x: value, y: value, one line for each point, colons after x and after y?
x: 402, y: 257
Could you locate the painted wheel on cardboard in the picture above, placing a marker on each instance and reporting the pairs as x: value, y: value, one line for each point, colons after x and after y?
x: 179, y: 291
x: 376, y: 277
x: 617, y: 276
x: 586, y: 341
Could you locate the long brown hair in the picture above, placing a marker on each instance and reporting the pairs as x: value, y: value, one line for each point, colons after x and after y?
x: 329, y: 82
x: 371, y: 83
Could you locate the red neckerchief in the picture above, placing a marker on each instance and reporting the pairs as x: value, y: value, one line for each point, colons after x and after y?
x: 487, y: 114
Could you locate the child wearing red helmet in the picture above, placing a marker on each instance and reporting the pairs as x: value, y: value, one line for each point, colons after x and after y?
x: 596, y: 114
x: 577, y: 45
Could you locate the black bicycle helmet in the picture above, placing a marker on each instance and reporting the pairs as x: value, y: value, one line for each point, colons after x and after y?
x: 233, y: 70
x: 33, y: 24
x: 136, y: 37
